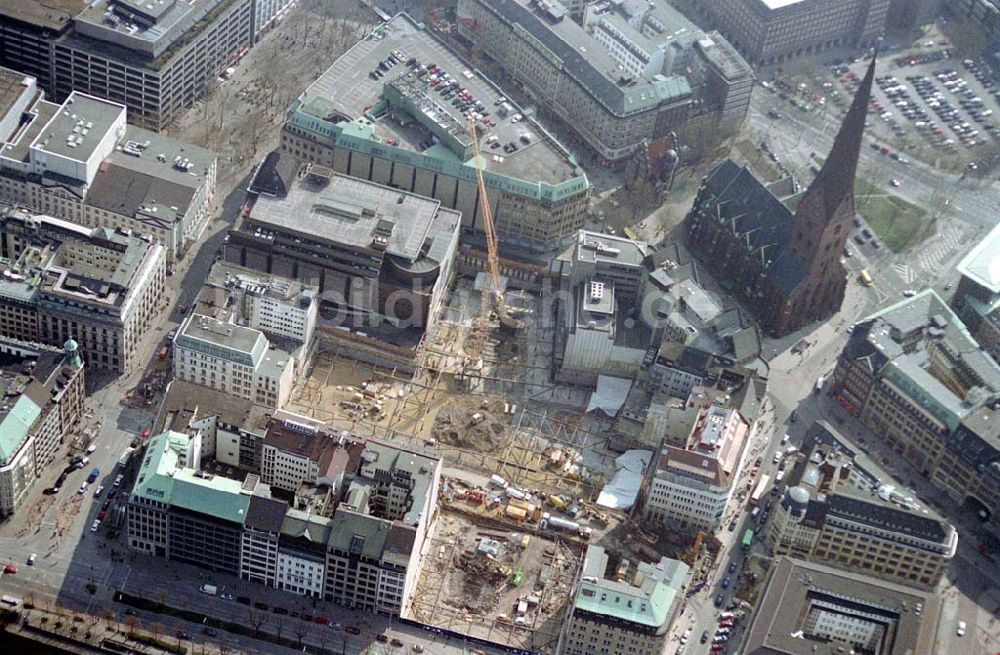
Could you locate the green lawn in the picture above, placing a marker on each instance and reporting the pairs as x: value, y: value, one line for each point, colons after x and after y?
x: 897, y: 223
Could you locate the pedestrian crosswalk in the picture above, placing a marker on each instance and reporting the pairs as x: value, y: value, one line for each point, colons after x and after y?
x: 943, y: 246
x: 906, y: 272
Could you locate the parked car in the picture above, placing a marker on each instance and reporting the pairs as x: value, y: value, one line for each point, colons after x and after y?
x: 10, y: 568
x: 353, y: 630
x: 381, y: 639
x: 31, y: 559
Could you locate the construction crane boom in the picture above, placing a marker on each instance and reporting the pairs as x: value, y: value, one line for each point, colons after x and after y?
x: 492, y: 260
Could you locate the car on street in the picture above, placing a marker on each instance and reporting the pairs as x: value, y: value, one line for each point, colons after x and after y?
x: 210, y: 632
x: 31, y: 559
x: 243, y: 600
x: 98, y: 491
x: 895, y: 182
x: 226, y: 596
x: 353, y: 630
x: 417, y: 648
x: 381, y: 639
x: 732, y: 568
x: 183, y: 635
x: 704, y: 637
x: 960, y: 630
x: 321, y: 620
x: 719, y: 600
x: 131, y: 612
x: 909, y: 293
x: 83, y: 489
x: 280, y: 610
x: 334, y: 625
x: 261, y: 606
x: 10, y: 568
x: 725, y: 582
x: 396, y: 642
x: 112, y: 493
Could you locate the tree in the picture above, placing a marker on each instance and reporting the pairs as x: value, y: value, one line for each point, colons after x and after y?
x: 132, y: 622
x: 301, y: 629
x: 258, y: 619
x: 157, y: 630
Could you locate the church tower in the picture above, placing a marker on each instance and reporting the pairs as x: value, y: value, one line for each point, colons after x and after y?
x: 822, y: 224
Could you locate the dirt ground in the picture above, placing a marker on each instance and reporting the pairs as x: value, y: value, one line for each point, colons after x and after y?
x: 465, y: 589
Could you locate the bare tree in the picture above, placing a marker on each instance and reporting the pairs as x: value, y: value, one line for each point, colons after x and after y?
x: 132, y: 622
x: 258, y: 619
x: 301, y: 629
x: 157, y: 630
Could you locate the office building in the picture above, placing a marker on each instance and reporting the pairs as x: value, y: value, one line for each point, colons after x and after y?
x: 693, y: 481
x: 619, y: 607
x: 377, y: 255
x: 915, y: 376
x: 601, y: 278
x: 629, y: 73
x: 100, y: 287
x: 811, y: 609
x: 296, y: 452
x: 364, y: 552
x: 156, y: 58
x: 840, y: 507
x: 395, y: 126
x: 985, y: 13
x: 786, y: 264
x: 977, y: 298
x: 234, y: 359
x: 43, y: 399
x: 769, y: 32
x: 231, y: 428
x: 82, y: 162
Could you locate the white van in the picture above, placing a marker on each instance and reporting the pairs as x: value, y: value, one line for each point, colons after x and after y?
x: 209, y: 589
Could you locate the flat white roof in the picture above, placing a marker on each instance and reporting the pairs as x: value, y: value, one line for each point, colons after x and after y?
x: 982, y: 264
x: 779, y: 4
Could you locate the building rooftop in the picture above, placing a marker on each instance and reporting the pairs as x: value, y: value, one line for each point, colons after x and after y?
x: 186, y: 402
x: 982, y: 264
x: 48, y: 14
x: 215, y: 338
x: 803, y: 601
x: 361, y: 214
x: 347, y: 100
x: 778, y: 4
x: 645, y: 597
x: 844, y: 483
x: 163, y: 478
x: 50, y: 263
x: 76, y: 131
x: 904, y: 344
x: 13, y: 86
x: 594, y: 247
x: 148, y: 27
x: 588, y: 62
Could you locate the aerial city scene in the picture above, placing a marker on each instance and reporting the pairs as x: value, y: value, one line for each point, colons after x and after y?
x: 484, y: 327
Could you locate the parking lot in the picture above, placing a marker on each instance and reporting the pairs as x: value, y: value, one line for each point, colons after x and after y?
x: 949, y: 107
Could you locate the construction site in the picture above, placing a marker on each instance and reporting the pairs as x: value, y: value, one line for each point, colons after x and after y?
x: 492, y: 576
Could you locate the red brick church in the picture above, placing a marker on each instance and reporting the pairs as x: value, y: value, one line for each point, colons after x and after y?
x: 778, y: 250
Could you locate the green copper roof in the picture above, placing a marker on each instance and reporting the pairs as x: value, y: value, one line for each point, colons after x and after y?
x: 15, y: 425
x: 163, y: 479
x: 648, y: 602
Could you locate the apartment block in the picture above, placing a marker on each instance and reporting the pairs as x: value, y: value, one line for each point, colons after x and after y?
x: 82, y: 162
x: 99, y: 287
x: 43, y: 398
x: 619, y: 607
x: 916, y: 377
x: 840, y: 507
x: 769, y: 32
x: 397, y: 128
